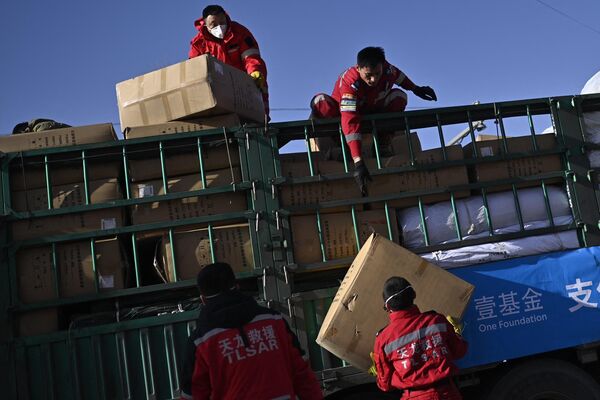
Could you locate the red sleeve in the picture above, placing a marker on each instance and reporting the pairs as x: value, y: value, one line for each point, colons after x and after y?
x: 384, y: 367
x: 250, y: 52
x: 201, y: 378
x: 195, y: 49
x: 351, y: 118
x: 457, y: 345
x: 401, y: 79
x: 305, y: 382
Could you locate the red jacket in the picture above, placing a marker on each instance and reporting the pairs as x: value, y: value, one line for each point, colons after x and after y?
x: 416, y: 350
x: 243, y: 351
x: 237, y: 48
x: 355, y: 97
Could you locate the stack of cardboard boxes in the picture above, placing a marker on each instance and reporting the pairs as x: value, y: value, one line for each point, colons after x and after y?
x: 197, y: 94
x: 74, y: 271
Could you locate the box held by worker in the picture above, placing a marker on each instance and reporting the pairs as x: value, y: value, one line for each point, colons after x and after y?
x: 199, y: 87
x: 356, y: 313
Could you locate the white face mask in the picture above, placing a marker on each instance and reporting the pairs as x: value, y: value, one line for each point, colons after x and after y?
x: 218, y: 31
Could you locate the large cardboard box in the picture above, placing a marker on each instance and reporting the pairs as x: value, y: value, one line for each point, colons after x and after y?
x: 57, y: 138
x: 66, y: 196
x: 199, y: 87
x: 339, y: 239
x: 189, y: 207
x: 356, y: 313
x: 176, y: 164
x: 192, y: 251
x: 194, y: 125
x: 74, y: 262
x: 515, y: 168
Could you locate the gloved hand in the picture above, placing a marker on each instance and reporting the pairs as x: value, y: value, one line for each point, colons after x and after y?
x: 361, y: 176
x: 425, y: 92
x: 456, y: 324
x: 259, y: 80
x: 372, y: 369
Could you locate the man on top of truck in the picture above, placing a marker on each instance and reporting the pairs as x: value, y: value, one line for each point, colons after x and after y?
x: 415, y: 352
x: 232, y: 43
x: 366, y: 88
x: 241, y: 350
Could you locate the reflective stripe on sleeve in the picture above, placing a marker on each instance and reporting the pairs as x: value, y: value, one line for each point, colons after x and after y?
x: 351, y: 137
x: 413, y: 336
x: 401, y: 78
x: 250, y: 52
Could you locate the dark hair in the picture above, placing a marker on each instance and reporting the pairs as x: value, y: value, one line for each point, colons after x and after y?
x: 397, y: 284
x: 212, y: 10
x: 215, y: 278
x: 370, y: 57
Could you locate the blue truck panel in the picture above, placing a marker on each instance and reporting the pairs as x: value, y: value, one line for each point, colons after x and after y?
x: 532, y: 305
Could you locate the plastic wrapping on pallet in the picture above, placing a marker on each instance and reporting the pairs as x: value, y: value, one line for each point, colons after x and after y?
x: 489, y: 252
x: 440, y: 219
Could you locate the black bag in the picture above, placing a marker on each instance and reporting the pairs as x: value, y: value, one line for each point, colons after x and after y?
x: 37, y: 125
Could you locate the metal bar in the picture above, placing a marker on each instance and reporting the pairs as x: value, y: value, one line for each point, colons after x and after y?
x: 441, y: 135
x: 388, y: 221
x: 321, y: 240
x: 147, y: 368
x: 531, y: 129
x: 211, y: 243
x: 423, y: 221
x: 126, y: 171
x: 547, y: 202
x: 376, y: 144
x: 500, y: 121
x: 518, y: 207
x: 171, y: 358
x: 136, y: 263
x: 355, y: 228
x: 309, y: 152
x: 472, y: 135
x: 456, y: 216
x: 172, y: 241
x: 48, y: 185
x: 486, y: 208
x: 411, y: 151
x: 343, y: 145
x: 123, y: 365
x: 163, y: 170
x: 86, y: 184
x: 94, y: 266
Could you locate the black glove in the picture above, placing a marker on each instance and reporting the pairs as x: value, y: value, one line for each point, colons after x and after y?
x: 361, y: 176
x: 425, y: 92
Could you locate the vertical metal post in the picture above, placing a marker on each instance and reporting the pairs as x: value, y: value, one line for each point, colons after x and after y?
x: 48, y: 184
x: 86, y: 186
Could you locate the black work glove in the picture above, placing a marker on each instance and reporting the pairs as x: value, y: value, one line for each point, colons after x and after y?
x: 361, y: 176
x: 425, y: 92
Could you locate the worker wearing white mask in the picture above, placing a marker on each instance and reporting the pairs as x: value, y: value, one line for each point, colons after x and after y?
x: 231, y: 43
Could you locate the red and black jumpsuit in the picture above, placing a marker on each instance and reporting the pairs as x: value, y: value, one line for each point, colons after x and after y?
x: 238, y: 48
x: 415, y: 353
x: 241, y: 350
x: 352, y: 97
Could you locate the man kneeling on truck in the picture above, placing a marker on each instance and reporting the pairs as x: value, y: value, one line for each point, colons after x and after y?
x: 415, y: 352
x: 241, y: 350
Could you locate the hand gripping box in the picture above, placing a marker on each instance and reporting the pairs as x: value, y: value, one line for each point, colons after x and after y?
x: 356, y: 313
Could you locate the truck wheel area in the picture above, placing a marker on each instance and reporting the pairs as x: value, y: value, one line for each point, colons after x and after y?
x: 546, y: 379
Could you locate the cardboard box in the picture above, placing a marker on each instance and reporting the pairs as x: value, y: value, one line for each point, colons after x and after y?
x: 34, y: 177
x: 195, y: 125
x: 356, y: 314
x: 199, y: 87
x: 38, y: 322
x: 214, y: 158
x: 189, y: 207
x: 192, y: 250
x: 57, y: 138
x: 515, y: 168
x: 76, y: 276
x: 101, y: 191
x: 337, y: 229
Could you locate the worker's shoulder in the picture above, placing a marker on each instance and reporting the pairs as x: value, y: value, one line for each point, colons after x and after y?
x: 239, y: 28
x: 433, y: 316
x: 350, y: 78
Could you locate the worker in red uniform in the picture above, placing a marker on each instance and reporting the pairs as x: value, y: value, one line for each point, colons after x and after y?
x: 416, y: 351
x: 241, y: 350
x: 366, y: 88
x: 231, y: 43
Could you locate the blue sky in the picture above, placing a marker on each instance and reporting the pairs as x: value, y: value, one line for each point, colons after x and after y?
x: 61, y: 59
